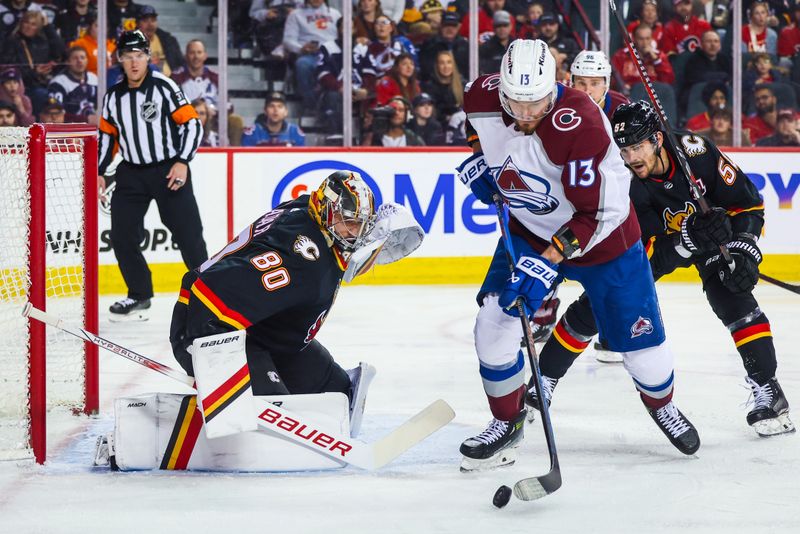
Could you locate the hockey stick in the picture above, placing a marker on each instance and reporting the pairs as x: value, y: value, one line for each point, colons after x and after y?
x: 529, y: 489
x: 780, y: 283
x: 285, y: 423
x: 697, y: 193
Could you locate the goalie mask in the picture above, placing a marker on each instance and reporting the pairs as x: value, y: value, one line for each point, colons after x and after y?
x: 345, y: 209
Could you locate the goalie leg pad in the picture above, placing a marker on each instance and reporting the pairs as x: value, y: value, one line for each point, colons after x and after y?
x: 222, y: 378
x: 162, y: 431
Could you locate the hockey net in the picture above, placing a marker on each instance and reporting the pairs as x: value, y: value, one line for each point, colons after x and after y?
x: 48, y: 230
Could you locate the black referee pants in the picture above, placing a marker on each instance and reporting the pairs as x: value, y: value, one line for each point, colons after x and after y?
x: 136, y: 187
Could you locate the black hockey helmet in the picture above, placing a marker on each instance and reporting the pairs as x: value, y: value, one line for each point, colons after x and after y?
x: 635, y: 122
x: 132, y: 40
x: 347, y: 194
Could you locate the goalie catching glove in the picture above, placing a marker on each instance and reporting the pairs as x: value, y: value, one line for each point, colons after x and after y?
x: 396, y: 234
x: 531, y: 281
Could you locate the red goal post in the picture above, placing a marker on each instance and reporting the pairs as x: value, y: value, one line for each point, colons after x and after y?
x: 48, y: 222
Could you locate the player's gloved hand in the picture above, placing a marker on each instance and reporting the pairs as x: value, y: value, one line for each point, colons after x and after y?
x: 474, y: 172
x: 746, y: 257
x: 705, y: 232
x: 531, y: 280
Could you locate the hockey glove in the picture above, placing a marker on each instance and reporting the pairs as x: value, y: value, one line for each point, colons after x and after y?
x: 531, y: 281
x: 705, y: 232
x: 746, y: 257
x: 474, y: 172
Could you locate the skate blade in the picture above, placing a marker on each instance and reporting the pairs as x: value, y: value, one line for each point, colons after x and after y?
x: 104, y: 451
x: 360, y: 397
x: 137, y: 316
x: 607, y: 356
x: 772, y: 427
x: 503, y: 458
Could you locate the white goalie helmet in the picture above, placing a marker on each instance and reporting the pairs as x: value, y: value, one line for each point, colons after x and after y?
x: 527, y: 74
x: 592, y: 64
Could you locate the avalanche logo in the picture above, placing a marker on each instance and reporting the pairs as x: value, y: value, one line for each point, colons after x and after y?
x: 642, y: 326
x: 490, y: 83
x: 525, y: 190
x: 566, y: 119
x: 314, y: 328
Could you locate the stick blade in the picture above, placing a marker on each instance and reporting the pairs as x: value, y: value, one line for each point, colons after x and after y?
x: 416, y: 429
x: 530, y: 489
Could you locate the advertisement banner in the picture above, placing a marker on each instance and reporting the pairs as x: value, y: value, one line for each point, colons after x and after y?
x: 235, y: 186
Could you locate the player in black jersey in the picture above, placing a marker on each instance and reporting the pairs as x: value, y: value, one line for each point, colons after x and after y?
x: 676, y: 234
x: 278, y: 280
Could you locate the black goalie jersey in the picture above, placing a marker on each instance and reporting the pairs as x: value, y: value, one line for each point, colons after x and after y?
x: 663, y: 201
x: 278, y: 280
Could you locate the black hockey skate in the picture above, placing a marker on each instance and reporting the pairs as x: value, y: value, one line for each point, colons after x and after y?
x: 770, y: 413
x: 532, y: 399
x: 129, y: 309
x: 676, y: 427
x: 494, y: 447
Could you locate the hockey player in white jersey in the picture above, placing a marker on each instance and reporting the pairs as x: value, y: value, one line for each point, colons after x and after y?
x: 548, y: 151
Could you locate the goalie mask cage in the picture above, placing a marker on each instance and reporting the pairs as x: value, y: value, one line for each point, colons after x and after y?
x: 48, y: 256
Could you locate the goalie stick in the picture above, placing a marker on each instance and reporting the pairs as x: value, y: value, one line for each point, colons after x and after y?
x: 285, y: 423
x: 529, y: 489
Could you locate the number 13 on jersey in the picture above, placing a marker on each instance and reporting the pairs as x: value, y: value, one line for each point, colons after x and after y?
x: 581, y: 173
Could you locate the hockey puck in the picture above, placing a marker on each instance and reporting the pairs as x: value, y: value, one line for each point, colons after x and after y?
x: 501, y: 496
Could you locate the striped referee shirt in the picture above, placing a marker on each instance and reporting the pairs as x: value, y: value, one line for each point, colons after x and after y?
x: 149, y: 124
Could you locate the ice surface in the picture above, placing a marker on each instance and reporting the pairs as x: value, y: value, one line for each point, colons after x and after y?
x: 620, y: 474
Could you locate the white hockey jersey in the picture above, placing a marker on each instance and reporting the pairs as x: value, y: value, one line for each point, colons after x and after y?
x: 568, y: 173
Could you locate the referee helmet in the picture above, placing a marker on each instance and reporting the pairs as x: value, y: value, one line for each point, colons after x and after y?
x: 132, y: 40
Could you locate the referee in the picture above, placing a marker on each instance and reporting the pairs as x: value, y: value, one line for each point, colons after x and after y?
x: 148, y: 120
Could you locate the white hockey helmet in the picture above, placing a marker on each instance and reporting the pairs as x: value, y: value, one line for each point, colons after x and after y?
x: 527, y: 74
x: 592, y: 64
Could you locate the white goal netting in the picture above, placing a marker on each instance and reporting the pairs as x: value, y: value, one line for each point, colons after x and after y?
x: 64, y: 222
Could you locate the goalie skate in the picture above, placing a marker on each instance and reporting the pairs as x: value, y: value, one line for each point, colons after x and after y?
x: 770, y: 413
x: 104, y: 452
x: 360, y: 379
x: 494, y: 447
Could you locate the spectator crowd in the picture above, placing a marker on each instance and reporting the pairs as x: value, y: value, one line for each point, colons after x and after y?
x: 410, y: 64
